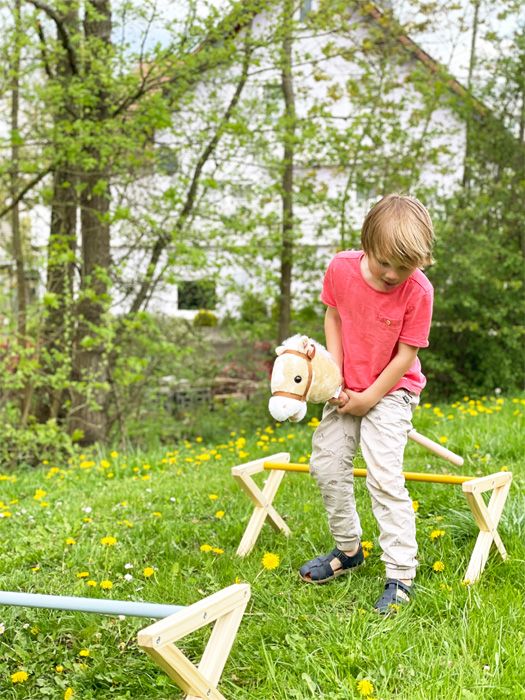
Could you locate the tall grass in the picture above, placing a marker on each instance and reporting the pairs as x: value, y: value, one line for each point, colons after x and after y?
x: 178, y: 515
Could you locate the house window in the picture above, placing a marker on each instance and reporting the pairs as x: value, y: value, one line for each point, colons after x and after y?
x: 306, y: 7
x: 197, y: 294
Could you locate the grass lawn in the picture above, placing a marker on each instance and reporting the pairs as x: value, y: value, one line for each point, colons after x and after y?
x: 164, y: 527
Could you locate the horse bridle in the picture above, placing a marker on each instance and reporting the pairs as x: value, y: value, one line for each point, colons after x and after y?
x: 289, y: 394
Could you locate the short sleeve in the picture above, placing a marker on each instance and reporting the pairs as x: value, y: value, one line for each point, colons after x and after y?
x: 417, y: 319
x: 328, y: 293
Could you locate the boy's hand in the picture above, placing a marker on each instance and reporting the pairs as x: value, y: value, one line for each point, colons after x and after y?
x: 340, y: 401
x: 357, y: 403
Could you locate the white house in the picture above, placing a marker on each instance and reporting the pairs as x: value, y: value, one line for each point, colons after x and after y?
x: 358, y: 83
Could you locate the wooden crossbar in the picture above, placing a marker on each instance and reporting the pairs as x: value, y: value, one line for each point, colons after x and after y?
x: 224, y: 608
x: 485, y: 516
x: 409, y: 476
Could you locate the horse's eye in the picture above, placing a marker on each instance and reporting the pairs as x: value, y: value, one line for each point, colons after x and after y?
x: 298, y: 379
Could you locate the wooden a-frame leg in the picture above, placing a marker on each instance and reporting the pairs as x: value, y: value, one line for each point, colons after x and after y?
x: 487, y: 518
x: 263, y: 499
x: 226, y: 609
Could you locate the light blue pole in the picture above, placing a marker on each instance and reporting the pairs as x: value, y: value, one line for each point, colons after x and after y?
x: 89, y: 605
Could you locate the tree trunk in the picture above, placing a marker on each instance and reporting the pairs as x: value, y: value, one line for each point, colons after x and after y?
x: 88, y: 412
x: 56, y: 338
x: 468, y: 123
x: 289, y: 121
x: 16, y: 236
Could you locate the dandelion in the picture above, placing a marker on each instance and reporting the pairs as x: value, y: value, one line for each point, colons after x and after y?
x: 436, y: 534
x: 415, y: 506
x: 19, y: 677
x: 39, y: 494
x: 148, y: 571
x: 84, y: 653
x: 106, y: 585
x: 206, y: 548
x: 128, y: 566
x: 270, y: 561
x: 114, y: 454
x: 108, y: 541
x: 219, y: 514
x: 443, y: 439
x: 438, y: 566
x: 128, y: 577
x: 91, y: 583
x: 213, y: 496
x: 217, y: 550
x: 365, y: 688
x: 59, y: 668
x: 68, y: 694
x: 70, y: 540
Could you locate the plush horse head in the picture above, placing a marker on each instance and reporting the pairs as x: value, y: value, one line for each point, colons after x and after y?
x: 303, y: 371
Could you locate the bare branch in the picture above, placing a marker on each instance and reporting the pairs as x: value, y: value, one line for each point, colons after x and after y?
x: 21, y: 194
x: 62, y: 32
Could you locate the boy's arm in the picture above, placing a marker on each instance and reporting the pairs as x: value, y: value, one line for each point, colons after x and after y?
x: 334, y: 345
x: 359, y: 403
x: 332, y: 331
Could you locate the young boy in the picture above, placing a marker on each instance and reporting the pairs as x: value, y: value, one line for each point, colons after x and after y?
x: 379, y: 308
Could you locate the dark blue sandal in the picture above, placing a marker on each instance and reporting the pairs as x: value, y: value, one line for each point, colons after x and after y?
x: 318, y: 570
x: 395, y: 595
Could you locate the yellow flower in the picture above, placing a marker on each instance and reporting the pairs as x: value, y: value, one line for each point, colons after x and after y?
x: 83, y: 574
x: 68, y: 693
x: 206, y: 548
x: 114, y: 454
x: 91, y: 583
x: 19, y: 677
x: 105, y: 464
x: 148, y: 571
x: 70, y: 540
x: 438, y: 566
x: 108, y: 541
x: 415, y: 506
x: 59, y: 668
x: 443, y: 439
x: 217, y: 550
x: 39, y: 495
x: 106, y: 585
x: 365, y: 688
x: 219, y: 514
x: 435, y: 534
x: 270, y: 561
x: 213, y: 496
x: 84, y: 652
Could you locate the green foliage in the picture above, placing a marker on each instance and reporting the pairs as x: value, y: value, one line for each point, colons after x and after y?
x: 205, y: 319
x: 33, y: 444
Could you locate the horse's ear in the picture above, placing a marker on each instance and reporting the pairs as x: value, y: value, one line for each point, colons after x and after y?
x: 308, y: 346
x: 279, y: 350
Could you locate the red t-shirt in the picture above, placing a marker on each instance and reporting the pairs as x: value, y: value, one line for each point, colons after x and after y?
x: 373, y: 322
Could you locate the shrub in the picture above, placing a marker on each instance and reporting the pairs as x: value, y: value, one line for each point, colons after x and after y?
x: 205, y: 319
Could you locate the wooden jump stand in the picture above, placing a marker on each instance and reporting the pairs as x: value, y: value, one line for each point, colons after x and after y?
x: 225, y: 608
x: 486, y: 517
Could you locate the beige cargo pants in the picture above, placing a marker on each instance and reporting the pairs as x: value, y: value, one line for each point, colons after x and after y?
x: 382, y: 435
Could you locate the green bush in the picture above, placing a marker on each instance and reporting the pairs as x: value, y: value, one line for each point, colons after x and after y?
x: 205, y: 319
x: 33, y: 444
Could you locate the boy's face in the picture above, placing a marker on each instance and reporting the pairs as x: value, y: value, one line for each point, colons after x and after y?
x: 387, y: 274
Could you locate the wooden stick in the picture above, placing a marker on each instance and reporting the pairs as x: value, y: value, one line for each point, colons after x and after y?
x: 436, y: 448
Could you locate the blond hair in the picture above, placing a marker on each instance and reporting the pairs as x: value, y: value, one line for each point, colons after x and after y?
x: 399, y: 229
